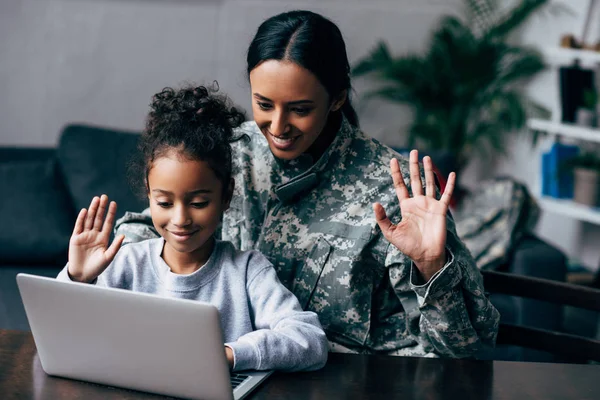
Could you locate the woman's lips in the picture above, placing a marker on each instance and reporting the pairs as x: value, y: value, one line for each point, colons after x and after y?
x: 283, y: 143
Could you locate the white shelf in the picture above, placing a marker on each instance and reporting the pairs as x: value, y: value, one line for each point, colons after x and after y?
x: 571, y: 209
x: 567, y: 130
x: 564, y: 56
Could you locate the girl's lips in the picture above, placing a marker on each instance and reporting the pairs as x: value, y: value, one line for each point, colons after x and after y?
x: 182, y: 236
x: 283, y: 143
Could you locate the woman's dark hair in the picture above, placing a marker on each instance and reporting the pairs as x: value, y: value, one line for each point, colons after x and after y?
x: 311, y: 41
x: 196, y: 122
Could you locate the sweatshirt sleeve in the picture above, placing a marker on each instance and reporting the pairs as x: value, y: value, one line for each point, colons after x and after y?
x: 286, y: 337
x: 63, y: 275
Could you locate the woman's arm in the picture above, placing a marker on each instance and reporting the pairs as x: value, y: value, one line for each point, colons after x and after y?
x: 427, y: 259
x: 452, y: 313
x: 285, y: 336
x: 136, y: 227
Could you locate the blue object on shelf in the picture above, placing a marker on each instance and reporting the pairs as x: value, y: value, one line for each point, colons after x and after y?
x: 558, y: 181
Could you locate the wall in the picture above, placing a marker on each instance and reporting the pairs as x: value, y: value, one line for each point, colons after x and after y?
x: 100, y: 61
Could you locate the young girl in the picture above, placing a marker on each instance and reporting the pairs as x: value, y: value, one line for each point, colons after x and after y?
x: 187, y: 165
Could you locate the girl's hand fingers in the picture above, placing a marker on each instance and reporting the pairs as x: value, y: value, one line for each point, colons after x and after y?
x: 401, y: 190
x: 112, y: 250
x: 79, y: 222
x: 429, y: 177
x: 110, y: 218
x: 415, y: 174
x: 449, y: 189
x: 91, y: 214
x: 99, y: 220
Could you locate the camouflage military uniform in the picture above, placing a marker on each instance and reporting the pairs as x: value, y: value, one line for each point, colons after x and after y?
x: 315, y: 223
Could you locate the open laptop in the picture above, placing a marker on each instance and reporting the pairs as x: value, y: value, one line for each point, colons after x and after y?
x: 132, y: 340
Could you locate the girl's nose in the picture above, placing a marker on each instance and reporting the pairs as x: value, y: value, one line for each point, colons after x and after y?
x: 180, y: 217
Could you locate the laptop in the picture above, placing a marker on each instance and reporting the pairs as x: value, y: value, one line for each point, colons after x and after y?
x: 132, y: 340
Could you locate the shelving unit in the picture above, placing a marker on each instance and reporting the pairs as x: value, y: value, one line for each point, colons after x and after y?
x: 566, y: 130
x: 571, y: 209
x: 558, y: 56
x: 564, y: 56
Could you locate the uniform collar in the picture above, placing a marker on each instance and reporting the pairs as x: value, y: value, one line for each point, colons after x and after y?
x: 302, y: 174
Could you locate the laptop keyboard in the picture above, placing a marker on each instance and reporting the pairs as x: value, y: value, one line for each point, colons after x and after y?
x: 237, y: 379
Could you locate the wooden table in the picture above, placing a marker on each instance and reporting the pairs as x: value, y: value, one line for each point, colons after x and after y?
x: 345, y: 377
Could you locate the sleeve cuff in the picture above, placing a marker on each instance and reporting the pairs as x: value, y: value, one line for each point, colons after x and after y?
x: 442, y: 281
x: 245, y: 356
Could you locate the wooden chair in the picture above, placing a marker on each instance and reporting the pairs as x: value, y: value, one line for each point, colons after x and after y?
x: 570, y: 347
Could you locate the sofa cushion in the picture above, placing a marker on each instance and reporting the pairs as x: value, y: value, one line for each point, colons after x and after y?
x: 37, y: 213
x: 94, y: 162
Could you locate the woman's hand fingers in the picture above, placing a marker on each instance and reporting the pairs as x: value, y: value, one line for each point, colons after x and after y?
x: 415, y: 173
x: 91, y: 214
x: 110, y: 218
x: 382, y: 220
x: 398, y: 179
x: 429, y: 177
x: 449, y: 189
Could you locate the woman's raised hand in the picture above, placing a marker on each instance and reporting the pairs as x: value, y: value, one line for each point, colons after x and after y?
x: 421, y: 235
x: 89, y: 254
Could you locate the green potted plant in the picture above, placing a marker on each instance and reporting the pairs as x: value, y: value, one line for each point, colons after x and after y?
x: 586, y: 170
x: 466, y: 90
x: 586, y: 114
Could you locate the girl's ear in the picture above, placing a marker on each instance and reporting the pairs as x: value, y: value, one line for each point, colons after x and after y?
x: 228, y: 195
x: 339, y: 101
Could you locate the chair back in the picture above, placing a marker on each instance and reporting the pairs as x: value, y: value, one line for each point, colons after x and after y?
x: 571, y: 347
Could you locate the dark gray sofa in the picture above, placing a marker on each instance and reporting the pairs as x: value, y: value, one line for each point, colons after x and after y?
x: 43, y: 189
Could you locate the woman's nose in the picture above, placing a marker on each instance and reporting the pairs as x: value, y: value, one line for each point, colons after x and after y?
x: 279, y: 125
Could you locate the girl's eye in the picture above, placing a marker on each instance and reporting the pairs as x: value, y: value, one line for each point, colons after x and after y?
x: 200, y: 205
x: 301, y: 111
x: 163, y: 204
x: 264, y: 106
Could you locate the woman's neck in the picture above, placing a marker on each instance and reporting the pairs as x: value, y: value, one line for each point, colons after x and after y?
x: 187, y: 263
x: 326, y: 137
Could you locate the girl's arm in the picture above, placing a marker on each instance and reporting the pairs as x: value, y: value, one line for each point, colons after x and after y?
x: 89, y: 252
x: 286, y: 337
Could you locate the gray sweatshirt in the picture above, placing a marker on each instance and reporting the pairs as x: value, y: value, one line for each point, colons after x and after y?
x: 262, y: 321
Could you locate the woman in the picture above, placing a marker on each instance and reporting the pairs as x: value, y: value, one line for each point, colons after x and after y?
x: 307, y: 181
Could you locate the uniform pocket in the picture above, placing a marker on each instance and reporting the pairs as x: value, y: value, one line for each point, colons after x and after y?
x: 305, y: 283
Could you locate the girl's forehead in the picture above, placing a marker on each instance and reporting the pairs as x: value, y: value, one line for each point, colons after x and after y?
x: 177, y: 174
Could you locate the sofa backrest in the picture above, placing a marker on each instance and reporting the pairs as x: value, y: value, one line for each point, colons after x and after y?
x: 95, y: 161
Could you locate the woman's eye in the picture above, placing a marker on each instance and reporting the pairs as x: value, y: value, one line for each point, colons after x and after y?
x: 264, y: 106
x: 200, y: 205
x: 163, y: 204
x: 301, y: 111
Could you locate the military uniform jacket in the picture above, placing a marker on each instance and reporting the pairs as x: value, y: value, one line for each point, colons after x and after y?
x: 315, y: 222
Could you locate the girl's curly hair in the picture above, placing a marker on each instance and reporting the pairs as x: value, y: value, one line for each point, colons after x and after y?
x: 197, y: 122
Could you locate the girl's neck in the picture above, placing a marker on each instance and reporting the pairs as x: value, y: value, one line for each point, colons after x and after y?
x: 187, y: 263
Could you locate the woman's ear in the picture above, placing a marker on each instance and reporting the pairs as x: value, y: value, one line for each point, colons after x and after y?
x: 339, y: 101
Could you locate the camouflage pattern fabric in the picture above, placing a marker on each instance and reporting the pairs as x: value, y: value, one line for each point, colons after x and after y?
x: 491, y: 219
x: 315, y: 223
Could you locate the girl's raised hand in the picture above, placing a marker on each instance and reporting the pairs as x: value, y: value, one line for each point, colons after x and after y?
x: 89, y: 254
